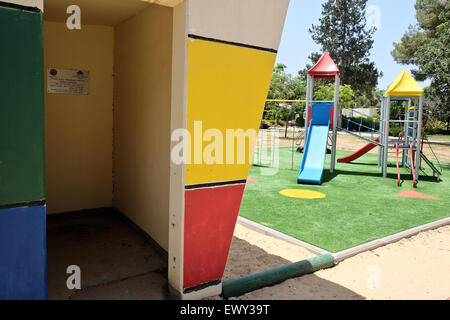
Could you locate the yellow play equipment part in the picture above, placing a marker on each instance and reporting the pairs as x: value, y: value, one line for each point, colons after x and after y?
x: 404, y: 86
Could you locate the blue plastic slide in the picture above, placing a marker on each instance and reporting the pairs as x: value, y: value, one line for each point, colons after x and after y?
x: 311, y: 170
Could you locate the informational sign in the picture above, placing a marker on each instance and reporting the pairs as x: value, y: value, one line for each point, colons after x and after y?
x: 67, y: 81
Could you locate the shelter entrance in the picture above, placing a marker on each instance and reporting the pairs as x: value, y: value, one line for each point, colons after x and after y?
x: 107, y: 128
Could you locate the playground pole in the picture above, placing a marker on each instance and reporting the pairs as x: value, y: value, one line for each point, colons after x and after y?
x: 414, y: 123
x: 309, y: 84
x: 337, y: 82
x: 387, y: 113
x: 405, y: 131
x: 380, y: 149
x: 418, y: 137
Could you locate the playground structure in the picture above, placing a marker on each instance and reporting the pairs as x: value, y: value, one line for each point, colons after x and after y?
x: 323, y: 116
x: 320, y: 116
x: 405, y: 89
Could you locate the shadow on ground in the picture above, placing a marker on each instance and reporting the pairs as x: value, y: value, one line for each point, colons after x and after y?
x: 116, y: 261
x: 327, y: 176
x: 245, y: 259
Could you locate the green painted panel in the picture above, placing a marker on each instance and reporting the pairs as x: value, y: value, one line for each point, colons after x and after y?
x: 22, y: 146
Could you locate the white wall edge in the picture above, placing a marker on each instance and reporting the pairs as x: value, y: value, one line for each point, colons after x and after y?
x: 28, y: 3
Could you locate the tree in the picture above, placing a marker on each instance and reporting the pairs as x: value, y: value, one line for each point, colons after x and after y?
x: 434, y: 61
x: 326, y: 93
x: 426, y: 45
x: 284, y: 86
x: 342, y: 32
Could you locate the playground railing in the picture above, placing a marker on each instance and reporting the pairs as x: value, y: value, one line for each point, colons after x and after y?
x: 361, y: 124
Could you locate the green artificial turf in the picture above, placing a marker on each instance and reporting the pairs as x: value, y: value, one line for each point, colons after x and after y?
x: 360, y: 205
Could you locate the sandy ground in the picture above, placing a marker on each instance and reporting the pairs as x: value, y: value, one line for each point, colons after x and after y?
x: 413, y: 268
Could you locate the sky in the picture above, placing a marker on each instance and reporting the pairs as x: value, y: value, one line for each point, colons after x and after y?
x: 392, y: 17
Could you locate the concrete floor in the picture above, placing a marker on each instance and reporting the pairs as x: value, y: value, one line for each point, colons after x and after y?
x: 116, y: 260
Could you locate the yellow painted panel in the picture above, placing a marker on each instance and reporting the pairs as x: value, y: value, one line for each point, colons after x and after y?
x: 227, y: 89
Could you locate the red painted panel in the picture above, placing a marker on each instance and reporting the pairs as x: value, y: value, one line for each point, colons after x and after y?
x: 210, y: 218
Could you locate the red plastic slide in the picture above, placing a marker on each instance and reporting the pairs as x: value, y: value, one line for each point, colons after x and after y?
x: 359, y: 153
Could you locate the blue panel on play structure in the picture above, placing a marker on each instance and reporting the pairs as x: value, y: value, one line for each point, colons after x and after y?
x: 23, y: 253
x: 321, y: 113
x: 400, y: 99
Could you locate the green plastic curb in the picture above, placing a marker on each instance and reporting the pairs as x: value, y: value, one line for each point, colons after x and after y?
x: 240, y: 286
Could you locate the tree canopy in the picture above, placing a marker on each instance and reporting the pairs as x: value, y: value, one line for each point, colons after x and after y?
x: 426, y: 46
x: 284, y: 86
x: 342, y: 32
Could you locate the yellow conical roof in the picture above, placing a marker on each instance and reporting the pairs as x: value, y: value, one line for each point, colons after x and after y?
x: 404, y: 86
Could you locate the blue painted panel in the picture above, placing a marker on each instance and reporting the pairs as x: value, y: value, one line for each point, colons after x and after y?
x: 23, y: 253
x: 321, y: 113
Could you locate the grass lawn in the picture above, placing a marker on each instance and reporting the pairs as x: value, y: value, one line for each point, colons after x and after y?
x: 439, y: 137
x: 360, y: 205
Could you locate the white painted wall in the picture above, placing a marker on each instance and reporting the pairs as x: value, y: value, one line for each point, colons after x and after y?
x: 29, y: 3
x: 252, y: 22
x: 177, y: 172
x: 142, y: 116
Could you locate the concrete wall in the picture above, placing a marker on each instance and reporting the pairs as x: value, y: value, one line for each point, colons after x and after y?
x: 142, y: 115
x: 79, y: 127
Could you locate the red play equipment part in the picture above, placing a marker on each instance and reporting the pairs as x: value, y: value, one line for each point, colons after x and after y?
x: 324, y: 68
x: 359, y: 153
x: 412, y: 165
x: 399, y: 178
x: 424, y: 120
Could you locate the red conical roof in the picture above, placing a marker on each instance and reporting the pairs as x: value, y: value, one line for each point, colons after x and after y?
x: 324, y: 68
